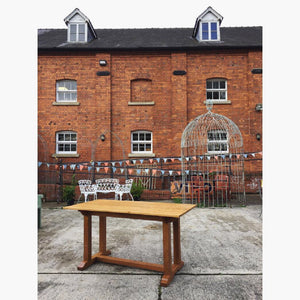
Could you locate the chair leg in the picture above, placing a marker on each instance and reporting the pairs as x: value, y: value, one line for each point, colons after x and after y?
x: 131, y: 197
x: 85, y: 197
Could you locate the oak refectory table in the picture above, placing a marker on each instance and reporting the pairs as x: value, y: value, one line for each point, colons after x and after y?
x: 167, y: 213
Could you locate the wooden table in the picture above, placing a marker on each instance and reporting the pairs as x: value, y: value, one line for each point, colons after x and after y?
x: 166, y: 212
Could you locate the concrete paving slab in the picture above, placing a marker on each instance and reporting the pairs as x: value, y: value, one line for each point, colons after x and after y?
x: 221, y: 248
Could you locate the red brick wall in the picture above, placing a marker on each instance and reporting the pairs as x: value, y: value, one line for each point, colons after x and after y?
x: 178, y: 99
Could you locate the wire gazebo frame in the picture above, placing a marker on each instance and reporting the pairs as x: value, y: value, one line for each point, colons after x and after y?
x: 212, y: 161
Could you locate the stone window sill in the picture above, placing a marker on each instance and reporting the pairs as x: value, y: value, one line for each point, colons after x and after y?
x: 65, y: 103
x: 65, y: 155
x: 141, y: 103
x: 141, y: 154
x: 217, y: 102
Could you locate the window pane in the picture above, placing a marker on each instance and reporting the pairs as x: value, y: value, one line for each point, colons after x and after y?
x: 213, y: 26
x: 73, y: 147
x: 214, y: 35
x: 215, y: 84
x: 60, y: 136
x: 209, y: 95
x: 73, y: 28
x: 67, y: 96
x: 222, y: 84
x: 135, y: 137
x: 67, y: 147
x: 142, y: 136
x: 205, y: 26
x: 81, y: 28
x: 135, y: 147
x: 73, y: 37
x: 222, y: 95
x: 73, y: 137
x: 204, y: 35
x: 81, y: 37
x: 208, y: 84
x: 215, y: 95
x: 148, y: 136
x: 60, y: 147
x: 142, y: 147
x: 148, y: 147
x: 67, y: 137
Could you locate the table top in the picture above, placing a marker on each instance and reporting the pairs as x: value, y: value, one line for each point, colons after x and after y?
x: 155, y: 209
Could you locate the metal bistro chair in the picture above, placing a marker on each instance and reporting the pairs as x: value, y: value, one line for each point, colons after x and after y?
x: 124, y: 189
x: 87, y: 188
x: 222, y: 186
x: 201, y: 188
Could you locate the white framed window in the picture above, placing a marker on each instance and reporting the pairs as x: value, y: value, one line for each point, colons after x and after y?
x: 209, y: 31
x: 141, y: 142
x: 217, y: 142
x: 66, y: 91
x: 216, y: 90
x: 77, y: 32
x: 66, y: 142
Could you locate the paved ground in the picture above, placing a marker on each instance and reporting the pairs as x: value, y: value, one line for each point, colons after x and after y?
x: 221, y: 248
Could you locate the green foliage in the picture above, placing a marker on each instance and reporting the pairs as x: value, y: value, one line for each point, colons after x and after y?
x: 137, y: 190
x: 177, y: 200
x: 69, y: 192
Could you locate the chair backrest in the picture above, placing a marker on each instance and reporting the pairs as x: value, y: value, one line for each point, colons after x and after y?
x: 197, y: 181
x: 124, y: 188
x: 107, y: 184
x: 83, y: 183
x: 221, y: 181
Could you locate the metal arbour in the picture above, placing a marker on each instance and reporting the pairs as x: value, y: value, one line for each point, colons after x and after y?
x: 212, y: 161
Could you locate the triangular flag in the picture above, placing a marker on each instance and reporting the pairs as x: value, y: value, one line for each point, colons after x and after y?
x: 165, y: 159
x: 172, y: 159
x: 81, y: 167
x: 245, y: 155
x: 122, y: 170
x: 253, y: 154
x: 154, y: 171
x: 106, y: 169
x: 89, y: 169
x: 138, y: 171
x: 208, y: 157
x: 201, y: 157
x: 98, y: 169
x: 48, y: 165
x: 114, y: 169
x: 158, y: 159
x: 187, y: 171
x: 216, y: 157
x: 39, y: 164
x: 178, y: 172
x: 64, y: 167
x: 223, y: 156
x: 134, y: 160
x: 162, y: 172
x: 127, y: 162
x: 171, y: 172
x: 113, y: 163
x: 194, y: 157
x: 99, y: 163
x: 141, y: 161
x: 130, y: 171
x: 147, y: 171
x: 151, y: 160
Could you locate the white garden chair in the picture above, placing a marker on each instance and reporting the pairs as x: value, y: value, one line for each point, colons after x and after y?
x: 124, y: 189
x: 87, y: 188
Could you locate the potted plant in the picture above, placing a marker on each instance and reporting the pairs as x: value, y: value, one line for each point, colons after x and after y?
x: 69, y: 192
x: 137, y: 190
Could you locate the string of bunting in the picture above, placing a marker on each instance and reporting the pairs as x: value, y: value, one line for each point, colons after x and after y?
x: 130, y: 164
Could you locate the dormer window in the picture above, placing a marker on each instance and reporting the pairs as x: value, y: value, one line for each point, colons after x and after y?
x: 77, y: 32
x: 80, y: 29
x: 207, y: 27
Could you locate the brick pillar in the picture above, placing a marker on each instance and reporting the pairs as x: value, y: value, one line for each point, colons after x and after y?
x: 179, y: 100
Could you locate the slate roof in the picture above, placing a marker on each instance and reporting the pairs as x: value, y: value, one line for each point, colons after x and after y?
x: 151, y: 39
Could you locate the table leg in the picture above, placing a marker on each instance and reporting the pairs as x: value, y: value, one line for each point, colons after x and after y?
x: 87, y: 240
x: 176, y: 242
x: 168, y: 275
x: 102, y: 236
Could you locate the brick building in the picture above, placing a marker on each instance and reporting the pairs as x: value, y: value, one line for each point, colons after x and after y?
x: 111, y: 94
